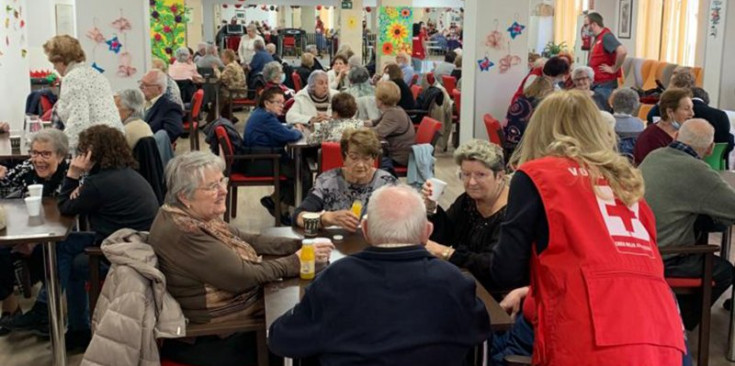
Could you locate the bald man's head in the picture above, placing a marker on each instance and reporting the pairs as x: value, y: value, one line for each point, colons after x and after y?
x: 396, y: 215
x: 698, y: 134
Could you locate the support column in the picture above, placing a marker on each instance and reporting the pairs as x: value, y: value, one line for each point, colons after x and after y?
x: 719, y: 48
x: 308, y: 18
x: 381, y: 59
x: 282, y: 16
x: 485, y: 88
x: 350, y: 26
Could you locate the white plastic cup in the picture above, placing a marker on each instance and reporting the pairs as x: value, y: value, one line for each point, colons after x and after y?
x: 656, y: 119
x: 437, y: 188
x: 33, y: 205
x: 35, y: 190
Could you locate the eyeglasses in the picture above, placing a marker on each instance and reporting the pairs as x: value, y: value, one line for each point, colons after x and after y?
x: 276, y: 102
x: 142, y: 84
x: 366, y: 159
x: 214, y: 186
x: 581, y: 79
x: 465, y: 177
x: 43, y: 154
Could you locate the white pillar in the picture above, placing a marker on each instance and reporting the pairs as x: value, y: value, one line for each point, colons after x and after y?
x: 490, y: 91
x: 350, y: 27
x: 194, y: 28
x: 308, y: 18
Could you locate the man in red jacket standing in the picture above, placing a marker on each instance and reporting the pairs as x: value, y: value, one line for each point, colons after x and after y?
x: 606, y: 57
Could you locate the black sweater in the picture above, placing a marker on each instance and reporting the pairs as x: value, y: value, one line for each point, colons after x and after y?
x: 112, y: 199
x: 385, y: 306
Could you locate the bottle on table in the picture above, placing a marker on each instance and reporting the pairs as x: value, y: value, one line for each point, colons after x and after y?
x: 308, y: 259
x: 356, y: 208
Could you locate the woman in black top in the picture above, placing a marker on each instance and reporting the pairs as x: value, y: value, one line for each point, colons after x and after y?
x: 46, y: 166
x: 466, y: 233
x: 396, y: 75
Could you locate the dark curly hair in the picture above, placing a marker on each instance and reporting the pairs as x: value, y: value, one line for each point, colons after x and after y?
x: 109, y: 148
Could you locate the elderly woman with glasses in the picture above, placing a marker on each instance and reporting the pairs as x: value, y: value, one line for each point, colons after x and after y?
x: 466, y: 233
x: 213, y: 269
x: 46, y: 166
x: 183, y: 67
x: 336, y: 190
x: 583, y: 76
x: 130, y: 104
x: 313, y: 103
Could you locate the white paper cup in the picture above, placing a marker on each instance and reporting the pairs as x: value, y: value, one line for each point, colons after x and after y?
x: 437, y: 188
x: 33, y: 205
x: 35, y: 190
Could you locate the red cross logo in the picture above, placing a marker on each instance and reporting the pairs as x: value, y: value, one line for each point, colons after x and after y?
x: 622, y: 212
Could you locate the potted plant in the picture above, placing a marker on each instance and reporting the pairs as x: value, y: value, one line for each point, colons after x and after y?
x: 552, y: 49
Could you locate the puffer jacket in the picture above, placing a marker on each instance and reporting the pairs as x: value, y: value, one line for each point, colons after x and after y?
x: 134, y: 308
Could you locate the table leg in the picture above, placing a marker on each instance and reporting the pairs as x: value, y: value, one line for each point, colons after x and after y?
x: 56, y: 321
x: 216, y: 102
x: 725, y: 244
x: 731, y: 340
x: 299, y: 186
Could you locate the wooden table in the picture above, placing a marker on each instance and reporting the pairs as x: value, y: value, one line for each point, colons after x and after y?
x: 284, y: 295
x: 47, y: 228
x: 7, y: 153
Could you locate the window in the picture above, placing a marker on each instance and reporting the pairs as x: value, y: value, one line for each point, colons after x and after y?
x: 667, y: 30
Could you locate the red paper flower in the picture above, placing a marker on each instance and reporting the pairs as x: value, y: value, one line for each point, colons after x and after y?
x: 387, y: 48
x: 166, y: 29
x: 157, y: 37
x: 368, y: 9
x: 318, y: 7
x: 174, y: 8
x: 172, y: 60
x: 224, y: 6
x: 238, y: 6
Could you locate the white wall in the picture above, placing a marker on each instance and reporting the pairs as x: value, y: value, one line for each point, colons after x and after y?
x: 251, y: 14
x: 41, y: 19
x: 14, y: 67
x: 628, y: 43
x: 136, y: 41
x: 727, y: 77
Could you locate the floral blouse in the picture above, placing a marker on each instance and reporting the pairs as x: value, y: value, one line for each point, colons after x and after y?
x: 232, y: 77
x: 17, y: 179
x: 332, y: 131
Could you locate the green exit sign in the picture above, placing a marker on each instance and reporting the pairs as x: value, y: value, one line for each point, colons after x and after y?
x: 346, y: 4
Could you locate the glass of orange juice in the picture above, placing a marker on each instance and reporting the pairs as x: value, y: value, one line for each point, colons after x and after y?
x: 356, y: 208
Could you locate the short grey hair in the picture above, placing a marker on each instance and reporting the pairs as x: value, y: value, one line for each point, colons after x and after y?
x: 354, y: 61
x: 271, y: 48
x: 625, y: 101
x: 272, y: 70
x: 259, y: 45
x: 697, y: 133
x: 133, y: 100
x: 489, y: 154
x: 161, y: 79
x: 252, y: 27
x: 583, y: 69
x: 185, y: 173
x: 396, y: 215
x: 202, y: 46
x: 311, y: 48
x: 58, y: 140
x: 182, y: 54
x: 358, y: 75
x: 211, y: 49
x: 316, y: 74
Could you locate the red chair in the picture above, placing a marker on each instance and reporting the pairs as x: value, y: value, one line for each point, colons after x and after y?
x: 289, y: 44
x: 414, y: 80
x: 494, y: 130
x: 330, y: 157
x: 239, y: 179
x: 430, y: 78
x: 287, y: 106
x: 427, y: 133
x: 297, y: 82
x: 416, y: 91
x: 457, y: 96
x: 46, y: 104
x: 450, y: 84
x: 192, y: 120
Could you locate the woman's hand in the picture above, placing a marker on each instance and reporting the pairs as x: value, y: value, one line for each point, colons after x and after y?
x: 343, y: 218
x: 512, y: 302
x: 437, y: 249
x: 322, y: 251
x: 75, y: 193
x: 426, y: 190
x: 3, y: 172
x: 80, y: 164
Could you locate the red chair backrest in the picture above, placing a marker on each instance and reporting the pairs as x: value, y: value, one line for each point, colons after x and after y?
x: 331, y: 157
x: 416, y: 91
x: 430, y: 77
x: 494, y: 129
x: 289, y: 41
x: 296, y: 81
x: 196, y: 103
x: 46, y: 104
x: 428, y: 131
x: 224, y: 140
x: 414, y: 79
x: 289, y: 103
x: 457, y: 101
x: 450, y: 83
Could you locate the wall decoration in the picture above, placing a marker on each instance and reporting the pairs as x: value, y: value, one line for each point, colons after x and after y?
x: 168, y: 27
x: 625, y: 19
x: 352, y: 22
x: 714, y: 17
x: 516, y: 29
x: 14, y: 29
x: 395, y: 26
x: 114, y: 44
x: 64, y: 19
x: 485, y: 64
x: 495, y: 39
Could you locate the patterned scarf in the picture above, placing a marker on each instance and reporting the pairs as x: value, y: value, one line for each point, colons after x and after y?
x: 216, y: 228
x: 321, y: 104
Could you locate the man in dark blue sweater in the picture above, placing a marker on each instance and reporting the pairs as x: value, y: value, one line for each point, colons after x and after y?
x: 392, y: 304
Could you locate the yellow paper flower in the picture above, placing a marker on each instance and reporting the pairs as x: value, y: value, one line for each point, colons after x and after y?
x: 397, y: 32
x: 352, y: 22
x: 392, y: 12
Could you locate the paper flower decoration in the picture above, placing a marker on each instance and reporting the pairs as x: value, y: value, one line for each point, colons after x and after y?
x: 121, y: 24
x: 95, y: 35
x: 507, y: 62
x: 114, y: 44
x: 125, y: 70
x: 495, y: 40
x: 368, y: 9
x: 97, y: 67
x: 23, y: 53
x: 485, y: 64
x: 387, y: 48
x: 352, y: 22
x: 406, y: 12
x: 516, y: 29
x: 397, y: 32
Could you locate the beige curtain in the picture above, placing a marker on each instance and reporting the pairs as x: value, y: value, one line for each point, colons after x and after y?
x: 565, y: 21
x: 679, y: 31
x: 648, y: 39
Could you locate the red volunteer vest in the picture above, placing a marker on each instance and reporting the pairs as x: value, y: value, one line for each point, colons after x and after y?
x: 538, y: 71
x: 599, y: 57
x: 599, y: 292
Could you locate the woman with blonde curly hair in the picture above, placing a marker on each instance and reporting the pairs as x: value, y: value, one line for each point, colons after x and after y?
x: 578, y: 230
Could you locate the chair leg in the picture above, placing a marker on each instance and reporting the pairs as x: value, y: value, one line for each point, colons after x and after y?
x: 262, y: 348
x: 228, y: 203
x: 94, y: 283
x: 234, y: 202
x: 704, y: 323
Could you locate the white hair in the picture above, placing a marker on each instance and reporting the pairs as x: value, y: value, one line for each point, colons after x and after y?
x: 697, y: 133
x: 396, y: 215
x: 211, y: 49
x: 185, y: 173
x: 583, y: 69
x: 182, y: 54
x: 161, y: 79
x: 133, y: 100
x: 272, y: 72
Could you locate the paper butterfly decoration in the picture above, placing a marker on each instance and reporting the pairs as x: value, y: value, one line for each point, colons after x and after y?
x: 95, y: 35
x: 485, y: 64
x: 507, y: 62
x: 121, y: 24
x: 97, y: 67
x: 516, y: 29
x: 124, y: 70
x: 495, y: 40
x: 114, y: 44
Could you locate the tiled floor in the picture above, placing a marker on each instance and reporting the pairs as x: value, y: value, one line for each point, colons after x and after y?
x: 24, y: 349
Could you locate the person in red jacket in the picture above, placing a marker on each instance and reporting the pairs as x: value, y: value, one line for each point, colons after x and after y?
x: 606, y: 57
x: 579, y: 232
